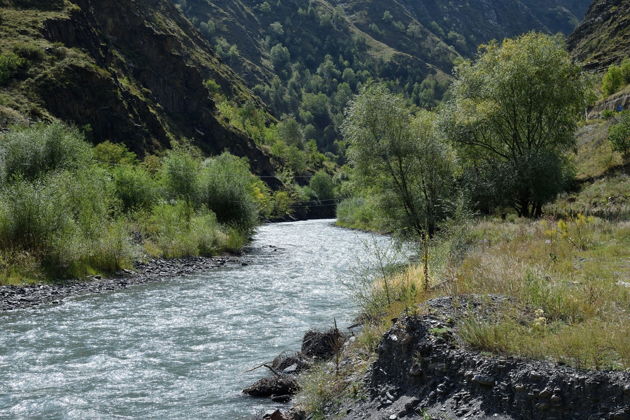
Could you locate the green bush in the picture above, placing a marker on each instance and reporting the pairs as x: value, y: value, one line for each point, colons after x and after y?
x: 67, y: 210
x: 227, y: 190
x: 135, y: 188
x: 172, y: 232
x: 63, y: 220
x: 31, y: 215
x: 180, y: 175
x: 360, y: 213
x: 616, y: 77
x: 323, y: 186
x: 10, y: 65
x: 30, y: 152
x: 30, y: 52
x: 111, y: 154
x: 619, y: 135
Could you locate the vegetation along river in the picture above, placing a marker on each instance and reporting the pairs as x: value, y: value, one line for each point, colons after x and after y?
x: 180, y: 348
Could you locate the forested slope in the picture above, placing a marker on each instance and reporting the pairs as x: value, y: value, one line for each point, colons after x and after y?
x: 306, y: 59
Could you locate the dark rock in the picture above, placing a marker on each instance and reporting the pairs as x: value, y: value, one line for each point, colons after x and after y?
x: 292, y: 363
x: 283, y: 399
x: 483, y: 380
x: 457, y: 382
x: 322, y: 345
x: 16, y: 297
x: 273, y: 385
x: 276, y: 415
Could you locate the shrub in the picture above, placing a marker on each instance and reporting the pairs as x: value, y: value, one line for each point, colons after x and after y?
x: 64, y: 221
x: 135, y: 188
x: 10, y: 64
x: 109, y: 153
x: 31, y: 216
x: 616, y: 77
x: 613, y: 80
x: 227, y: 190
x: 172, y: 233
x: 619, y: 135
x: 30, y: 52
x: 30, y: 152
x: 323, y: 186
x: 179, y: 174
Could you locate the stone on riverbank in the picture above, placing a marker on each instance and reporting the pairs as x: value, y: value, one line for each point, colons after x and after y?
x: 273, y: 386
x: 322, y: 345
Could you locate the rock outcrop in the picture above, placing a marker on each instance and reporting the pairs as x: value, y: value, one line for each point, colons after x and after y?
x: 423, y: 371
x: 603, y: 38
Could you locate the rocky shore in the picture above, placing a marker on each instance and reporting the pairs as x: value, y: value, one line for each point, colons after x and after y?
x: 16, y: 297
x: 423, y: 370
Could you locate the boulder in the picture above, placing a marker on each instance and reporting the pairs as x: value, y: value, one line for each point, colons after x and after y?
x: 277, y: 385
x: 322, y: 345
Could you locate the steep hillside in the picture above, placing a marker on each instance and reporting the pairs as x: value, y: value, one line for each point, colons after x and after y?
x: 604, y: 36
x: 306, y: 59
x: 127, y: 71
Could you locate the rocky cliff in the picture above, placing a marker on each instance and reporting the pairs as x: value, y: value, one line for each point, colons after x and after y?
x: 603, y: 38
x: 130, y: 71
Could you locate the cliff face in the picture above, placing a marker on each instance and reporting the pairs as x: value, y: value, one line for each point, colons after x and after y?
x: 604, y: 36
x: 131, y: 70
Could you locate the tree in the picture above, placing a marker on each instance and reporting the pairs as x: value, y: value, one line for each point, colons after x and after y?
x: 323, y: 186
x: 280, y: 56
x: 402, y: 158
x: 290, y: 132
x: 516, y: 106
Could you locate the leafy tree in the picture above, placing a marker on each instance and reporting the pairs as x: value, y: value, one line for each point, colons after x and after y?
x: 280, y: 56
x: 323, y: 186
x: 290, y: 132
x: 517, y: 106
x: 402, y: 158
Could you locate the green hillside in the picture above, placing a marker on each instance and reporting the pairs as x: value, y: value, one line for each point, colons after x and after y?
x: 126, y: 72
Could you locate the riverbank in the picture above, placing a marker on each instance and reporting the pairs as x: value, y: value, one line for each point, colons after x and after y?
x: 423, y: 369
x: 505, y: 298
x: 19, y: 297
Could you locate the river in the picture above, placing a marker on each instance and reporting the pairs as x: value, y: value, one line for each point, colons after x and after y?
x: 179, y: 348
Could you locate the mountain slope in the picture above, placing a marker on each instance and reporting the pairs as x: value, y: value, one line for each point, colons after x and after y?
x: 132, y: 71
x: 604, y: 36
x: 306, y: 59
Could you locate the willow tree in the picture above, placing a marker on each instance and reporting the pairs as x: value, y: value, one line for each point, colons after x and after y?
x: 514, y: 112
x: 401, y: 158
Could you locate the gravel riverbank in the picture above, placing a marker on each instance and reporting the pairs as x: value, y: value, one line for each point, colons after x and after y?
x: 17, y: 297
